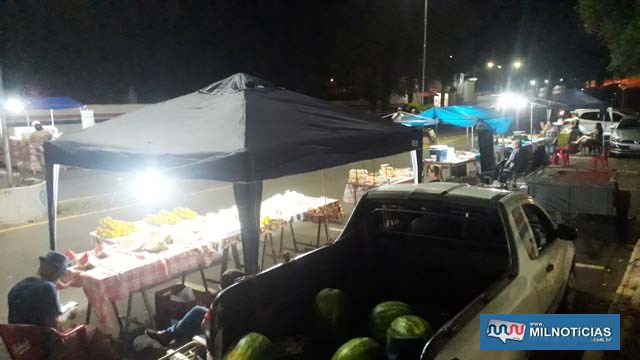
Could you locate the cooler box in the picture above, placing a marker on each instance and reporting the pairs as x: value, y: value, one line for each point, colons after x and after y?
x: 440, y: 151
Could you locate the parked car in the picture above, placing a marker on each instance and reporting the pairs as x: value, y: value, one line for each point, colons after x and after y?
x: 589, y: 117
x: 451, y: 251
x: 625, y: 138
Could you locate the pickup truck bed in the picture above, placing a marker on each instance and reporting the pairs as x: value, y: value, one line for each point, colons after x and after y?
x: 438, y: 262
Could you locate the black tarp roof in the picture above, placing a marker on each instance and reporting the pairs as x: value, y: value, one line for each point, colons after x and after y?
x: 238, y: 129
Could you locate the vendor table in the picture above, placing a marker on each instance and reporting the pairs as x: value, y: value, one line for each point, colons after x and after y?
x: 453, y: 164
x: 353, y: 192
x: 122, y: 273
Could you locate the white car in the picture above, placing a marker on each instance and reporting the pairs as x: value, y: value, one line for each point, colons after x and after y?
x: 451, y: 251
x: 590, y: 117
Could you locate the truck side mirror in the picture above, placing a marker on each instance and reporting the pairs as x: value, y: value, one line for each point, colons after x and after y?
x: 566, y: 232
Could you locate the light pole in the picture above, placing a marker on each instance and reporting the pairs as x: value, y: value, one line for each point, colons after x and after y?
x: 15, y: 106
x: 5, y: 147
x: 424, y: 50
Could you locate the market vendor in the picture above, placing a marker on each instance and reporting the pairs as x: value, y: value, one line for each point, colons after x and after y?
x: 34, y: 301
x: 191, y: 323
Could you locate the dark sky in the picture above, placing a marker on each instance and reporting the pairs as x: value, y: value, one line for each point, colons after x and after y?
x: 96, y: 50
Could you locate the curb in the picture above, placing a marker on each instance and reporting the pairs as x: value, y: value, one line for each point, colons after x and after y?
x: 627, y: 297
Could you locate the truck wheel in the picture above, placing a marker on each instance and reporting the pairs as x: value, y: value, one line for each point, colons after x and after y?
x: 567, y: 304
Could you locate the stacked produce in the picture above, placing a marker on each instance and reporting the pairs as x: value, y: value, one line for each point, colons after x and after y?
x: 333, y: 329
x: 110, y: 228
x: 383, y: 314
x: 164, y: 217
x: 184, y: 213
x: 252, y: 346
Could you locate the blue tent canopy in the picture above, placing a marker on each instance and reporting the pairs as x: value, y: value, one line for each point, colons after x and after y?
x: 467, y: 116
x: 413, y: 120
x: 54, y: 103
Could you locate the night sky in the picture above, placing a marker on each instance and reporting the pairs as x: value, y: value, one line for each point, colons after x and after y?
x: 96, y: 50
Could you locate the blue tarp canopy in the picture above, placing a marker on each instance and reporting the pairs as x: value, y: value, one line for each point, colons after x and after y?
x: 54, y: 103
x: 466, y: 116
x: 414, y: 120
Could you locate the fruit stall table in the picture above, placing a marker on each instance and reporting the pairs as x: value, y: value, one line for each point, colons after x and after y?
x: 120, y: 274
x: 360, y: 181
x: 149, y: 255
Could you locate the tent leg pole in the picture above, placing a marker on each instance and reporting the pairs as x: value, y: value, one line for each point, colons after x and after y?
x: 51, y: 177
x: 248, y: 197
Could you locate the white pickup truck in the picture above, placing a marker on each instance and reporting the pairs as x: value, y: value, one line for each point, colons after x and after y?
x: 452, y: 251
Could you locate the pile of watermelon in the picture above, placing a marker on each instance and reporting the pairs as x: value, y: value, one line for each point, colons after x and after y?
x: 333, y: 329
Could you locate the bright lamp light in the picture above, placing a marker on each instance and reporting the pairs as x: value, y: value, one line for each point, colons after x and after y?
x: 490, y: 65
x: 511, y: 101
x: 532, y: 82
x: 151, y: 186
x: 517, y: 64
x: 14, y: 105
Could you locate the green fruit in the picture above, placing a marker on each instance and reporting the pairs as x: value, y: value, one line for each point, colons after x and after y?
x: 409, y: 325
x: 383, y: 314
x: 331, y: 315
x: 253, y: 346
x: 363, y: 348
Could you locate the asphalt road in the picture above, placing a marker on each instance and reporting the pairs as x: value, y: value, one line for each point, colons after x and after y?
x: 86, y: 196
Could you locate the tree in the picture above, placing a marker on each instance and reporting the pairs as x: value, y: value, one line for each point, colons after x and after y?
x: 617, y: 24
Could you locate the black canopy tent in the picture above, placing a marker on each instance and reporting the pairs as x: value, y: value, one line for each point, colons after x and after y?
x: 241, y: 130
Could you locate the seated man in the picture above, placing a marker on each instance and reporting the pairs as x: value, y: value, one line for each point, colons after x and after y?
x: 190, y: 324
x: 34, y: 301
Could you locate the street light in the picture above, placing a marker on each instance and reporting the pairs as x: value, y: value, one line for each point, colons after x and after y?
x: 499, y: 66
x: 151, y: 186
x: 532, y: 82
x: 561, y: 79
x: 517, y: 64
x: 331, y: 80
x: 546, y: 81
x: 511, y: 101
x: 490, y: 65
x: 14, y: 105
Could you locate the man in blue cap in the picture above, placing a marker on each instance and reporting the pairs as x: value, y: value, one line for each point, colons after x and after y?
x: 34, y: 300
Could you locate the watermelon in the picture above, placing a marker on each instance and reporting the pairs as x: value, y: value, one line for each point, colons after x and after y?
x: 383, y: 314
x: 409, y: 325
x: 253, y: 346
x: 331, y: 315
x: 362, y: 348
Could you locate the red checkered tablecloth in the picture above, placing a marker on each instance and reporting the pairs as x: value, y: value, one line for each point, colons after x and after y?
x: 121, y: 273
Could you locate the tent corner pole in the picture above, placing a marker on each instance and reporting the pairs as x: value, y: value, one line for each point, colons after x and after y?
x: 52, y: 171
x: 248, y: 196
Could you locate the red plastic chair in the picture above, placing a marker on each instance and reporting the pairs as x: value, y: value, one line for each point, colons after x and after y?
x: 31, y: 342
x: 603, y: 159
x: 560, y: 153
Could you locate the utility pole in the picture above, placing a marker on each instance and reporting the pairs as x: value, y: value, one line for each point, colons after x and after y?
x: 5, y: 135
x: 424, y: 50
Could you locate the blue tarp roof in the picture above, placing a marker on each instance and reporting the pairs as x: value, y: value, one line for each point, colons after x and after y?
x: 467, y: 116
x: 54, y: 103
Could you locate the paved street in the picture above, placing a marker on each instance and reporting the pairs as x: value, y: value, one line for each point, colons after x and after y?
x: 86, y: 196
